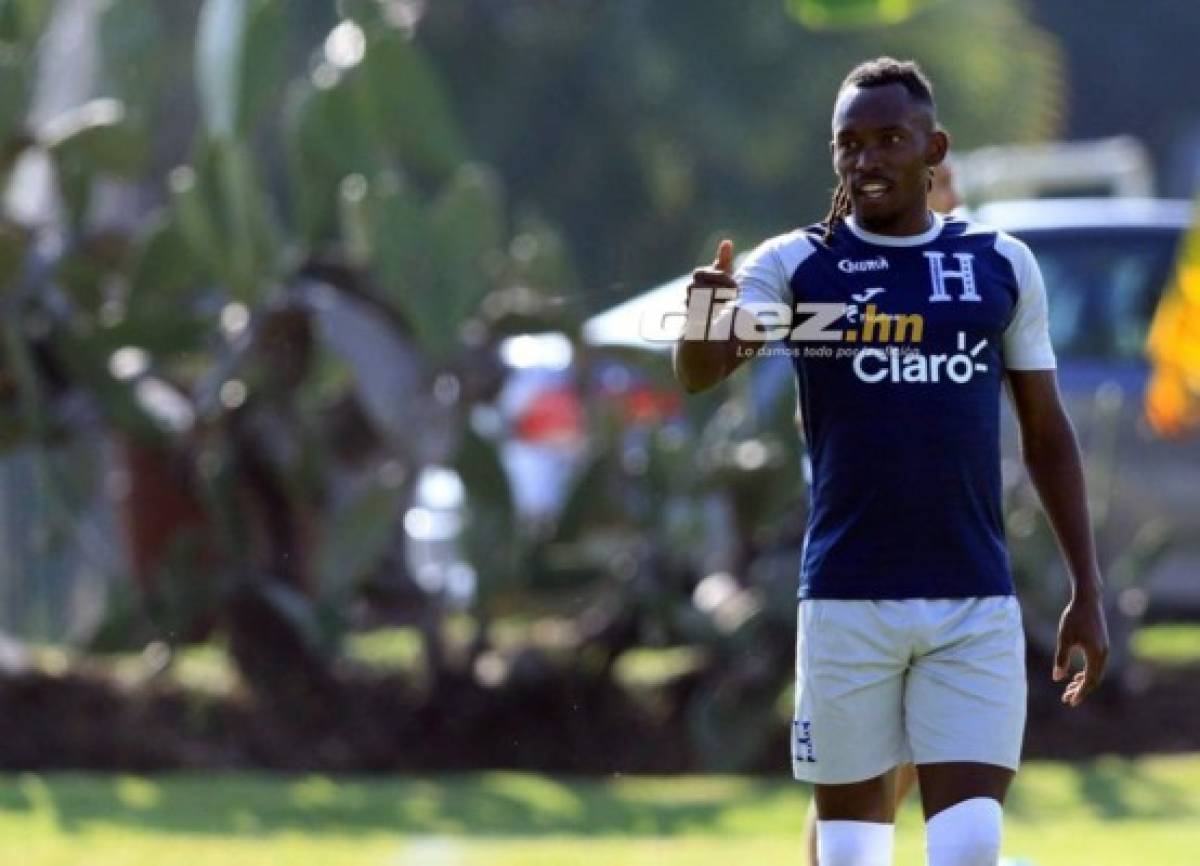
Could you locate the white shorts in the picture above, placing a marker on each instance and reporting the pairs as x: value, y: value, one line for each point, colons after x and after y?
x: 880, y: 683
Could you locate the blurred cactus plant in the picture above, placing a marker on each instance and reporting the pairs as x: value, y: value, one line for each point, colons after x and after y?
x: 289, y: 322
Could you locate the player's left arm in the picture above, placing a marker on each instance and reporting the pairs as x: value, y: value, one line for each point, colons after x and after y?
x: 1051, y: 456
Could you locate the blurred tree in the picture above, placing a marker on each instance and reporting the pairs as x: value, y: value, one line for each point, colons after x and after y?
x: 642, y: 128
x: 286, y: 328
x: 853, y: 13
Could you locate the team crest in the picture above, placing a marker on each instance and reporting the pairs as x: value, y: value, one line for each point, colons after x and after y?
x: 938, y: 275
x: 803, y: 751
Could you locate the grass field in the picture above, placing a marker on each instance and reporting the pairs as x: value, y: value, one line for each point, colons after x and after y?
x: 1105, y: 813
x: 207, y: 668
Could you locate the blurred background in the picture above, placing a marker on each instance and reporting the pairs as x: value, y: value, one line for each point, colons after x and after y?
x: 329, y: 445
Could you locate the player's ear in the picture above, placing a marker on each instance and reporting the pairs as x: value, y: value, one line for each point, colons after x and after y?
x: 939, y: 146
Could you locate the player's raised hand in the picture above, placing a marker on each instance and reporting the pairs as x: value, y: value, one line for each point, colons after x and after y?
x: 1082, y: 626
x: 718, y: 275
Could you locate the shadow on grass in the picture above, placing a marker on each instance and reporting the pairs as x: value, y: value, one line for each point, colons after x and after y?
x: 1122, y: 789
x: 1112, y: 789
x: 523, y: 805
x: 492, y: 804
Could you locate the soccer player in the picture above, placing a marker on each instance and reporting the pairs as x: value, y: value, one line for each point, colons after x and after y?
x: 909, y: 639
x: 943, y: 197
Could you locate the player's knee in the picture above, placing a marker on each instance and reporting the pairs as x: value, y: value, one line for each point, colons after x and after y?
x: 966, y: 834
x: 854, y: 843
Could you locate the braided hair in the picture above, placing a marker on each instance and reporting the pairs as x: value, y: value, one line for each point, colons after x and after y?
x: 839, y: 209
x: 879, y: 72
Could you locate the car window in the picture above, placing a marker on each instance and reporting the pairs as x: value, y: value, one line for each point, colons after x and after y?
x: 1102, y: 286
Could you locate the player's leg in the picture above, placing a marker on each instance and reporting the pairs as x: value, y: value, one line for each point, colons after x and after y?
x: 810, y: 834
x: 855, y: 822
x: 965, y: 716
x: 963, y: 804
x: 945, y: 785
x: 905, y: 779
x: 848, y: 730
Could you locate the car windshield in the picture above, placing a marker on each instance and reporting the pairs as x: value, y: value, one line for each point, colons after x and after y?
x: 1102, y: 285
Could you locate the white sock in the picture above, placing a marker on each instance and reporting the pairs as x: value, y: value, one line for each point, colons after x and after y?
x: 966, y: 834
x: 854, y: 843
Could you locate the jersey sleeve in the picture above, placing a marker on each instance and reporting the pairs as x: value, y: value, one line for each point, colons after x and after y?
x: 1027, y: 337
x: 765, y: 275
x: 761, y: 277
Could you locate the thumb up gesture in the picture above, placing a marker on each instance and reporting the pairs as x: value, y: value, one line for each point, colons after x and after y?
x: 718, y: 275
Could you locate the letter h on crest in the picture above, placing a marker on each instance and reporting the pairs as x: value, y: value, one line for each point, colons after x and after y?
x: 938, y: 276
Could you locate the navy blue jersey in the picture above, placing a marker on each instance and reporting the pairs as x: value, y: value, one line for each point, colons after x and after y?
x: 899, y: 358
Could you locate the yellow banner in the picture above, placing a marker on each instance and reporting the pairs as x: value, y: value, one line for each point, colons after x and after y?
x: 1173, y: 345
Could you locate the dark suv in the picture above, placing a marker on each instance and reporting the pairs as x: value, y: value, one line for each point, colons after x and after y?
x: 1106, y: 263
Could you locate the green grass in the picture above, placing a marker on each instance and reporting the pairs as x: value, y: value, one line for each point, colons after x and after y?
x: 1168, y: 644
x: 386, y: 648
x: 204, y: 668
x: 1106, y: 813
x: 648, y: 667
x: 208, y: 669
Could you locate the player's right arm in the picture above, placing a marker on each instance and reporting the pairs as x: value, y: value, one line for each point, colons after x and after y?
x: 702, y: 362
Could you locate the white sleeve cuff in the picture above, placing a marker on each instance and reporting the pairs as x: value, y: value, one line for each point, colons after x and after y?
x: 1027, y: 338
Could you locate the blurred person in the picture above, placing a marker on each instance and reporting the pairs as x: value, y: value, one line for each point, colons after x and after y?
x: 944, y: 197
x: 909, y: 638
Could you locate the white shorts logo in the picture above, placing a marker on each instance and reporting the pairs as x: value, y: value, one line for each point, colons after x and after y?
x: 804, y: 745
